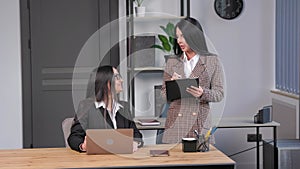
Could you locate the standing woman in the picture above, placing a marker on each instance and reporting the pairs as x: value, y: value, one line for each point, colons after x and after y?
x: 103, y: 110
x: 194, y: 61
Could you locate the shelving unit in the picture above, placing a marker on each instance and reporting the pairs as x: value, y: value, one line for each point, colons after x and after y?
x: 146, y: 73
x: 147, y: 69
x: 155, y: 17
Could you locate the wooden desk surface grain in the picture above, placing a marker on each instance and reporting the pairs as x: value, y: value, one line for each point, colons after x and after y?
x: 67, y: 158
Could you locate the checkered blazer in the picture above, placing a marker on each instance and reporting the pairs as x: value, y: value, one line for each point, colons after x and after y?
x: 188, y: 114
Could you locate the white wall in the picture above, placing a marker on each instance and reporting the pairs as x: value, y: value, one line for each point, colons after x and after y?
x: 246, y: 46
x: 10, y: 73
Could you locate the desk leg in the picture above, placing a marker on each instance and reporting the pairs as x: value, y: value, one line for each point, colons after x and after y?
x: 275, y: 145
x: 257, y: 147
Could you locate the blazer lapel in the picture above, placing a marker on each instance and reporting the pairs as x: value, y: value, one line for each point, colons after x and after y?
x: 120, y: 118
x: 179, y: 67
x: 108, y: 120
x: 200, y: 71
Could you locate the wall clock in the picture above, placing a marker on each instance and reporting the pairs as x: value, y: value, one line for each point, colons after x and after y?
x: 228, y: 9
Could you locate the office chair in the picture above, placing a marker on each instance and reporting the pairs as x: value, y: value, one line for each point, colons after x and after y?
x: 66, y: 127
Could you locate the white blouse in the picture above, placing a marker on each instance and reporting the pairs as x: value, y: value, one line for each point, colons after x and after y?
x: 116, y: 106
x: 189, y: 65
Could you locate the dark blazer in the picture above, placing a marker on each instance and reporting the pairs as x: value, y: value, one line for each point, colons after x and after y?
x: 90, y: 117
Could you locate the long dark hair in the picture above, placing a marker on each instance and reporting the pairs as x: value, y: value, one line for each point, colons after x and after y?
x: 194, y: 36
x: 104, y: 76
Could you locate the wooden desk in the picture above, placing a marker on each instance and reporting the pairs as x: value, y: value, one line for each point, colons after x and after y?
x: 67, y: 158
x: 234, y: 122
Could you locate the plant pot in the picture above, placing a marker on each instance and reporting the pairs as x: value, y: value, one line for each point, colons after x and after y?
x: 169, y: 56
x: 140, y: 11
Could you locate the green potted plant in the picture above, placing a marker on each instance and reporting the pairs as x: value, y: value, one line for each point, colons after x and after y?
x: 139, y: 9
x: 166, y: 41
x: 138, y: 2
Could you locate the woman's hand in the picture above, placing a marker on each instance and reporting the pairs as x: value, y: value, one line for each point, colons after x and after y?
x: 135, y: 146
x: 175, y: 76
x: 82, y: 146
x: 195, y: 91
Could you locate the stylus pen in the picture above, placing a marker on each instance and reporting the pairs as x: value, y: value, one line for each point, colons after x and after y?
x: 213, y: 130
x: 208, y: 134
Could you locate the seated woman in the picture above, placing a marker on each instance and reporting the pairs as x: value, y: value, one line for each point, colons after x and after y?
x: 103, y: 110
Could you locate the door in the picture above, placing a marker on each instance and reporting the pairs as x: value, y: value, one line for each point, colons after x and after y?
x: 57, y: 30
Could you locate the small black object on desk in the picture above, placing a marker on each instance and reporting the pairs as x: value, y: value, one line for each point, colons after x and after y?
x: 263, y: 115
x: 189, y: 144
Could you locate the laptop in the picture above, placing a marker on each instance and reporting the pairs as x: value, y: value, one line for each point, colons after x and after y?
x: 109, y: 141
x: 176, y: 89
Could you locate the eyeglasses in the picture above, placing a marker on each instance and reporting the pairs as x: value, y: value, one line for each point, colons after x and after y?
x: 118, y: 76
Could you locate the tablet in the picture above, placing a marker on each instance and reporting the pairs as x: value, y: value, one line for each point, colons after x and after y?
x: 176, y: 89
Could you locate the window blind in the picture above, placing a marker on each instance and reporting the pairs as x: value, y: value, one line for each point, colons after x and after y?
x: 287, y: 45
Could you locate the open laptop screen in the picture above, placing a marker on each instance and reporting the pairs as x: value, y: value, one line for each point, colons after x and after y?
x: 109, y: 141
